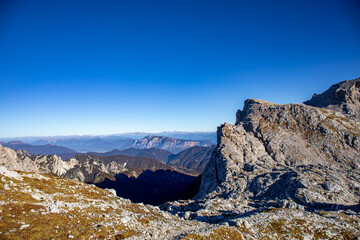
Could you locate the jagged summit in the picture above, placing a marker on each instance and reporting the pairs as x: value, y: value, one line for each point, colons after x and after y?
x: 343, y: 97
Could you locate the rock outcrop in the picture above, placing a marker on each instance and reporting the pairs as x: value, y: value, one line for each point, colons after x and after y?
x: 23, y: 161
x: 282, y: 160
x: 293, y: 152
x: 343, y: 97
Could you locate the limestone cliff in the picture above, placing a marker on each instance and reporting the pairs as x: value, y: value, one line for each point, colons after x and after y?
x: 294, y: 152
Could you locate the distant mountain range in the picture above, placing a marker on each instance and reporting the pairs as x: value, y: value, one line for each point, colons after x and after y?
x: 47, y: 149
x: 91, y: 144
x: 109, y: 143
x: 104, y: 143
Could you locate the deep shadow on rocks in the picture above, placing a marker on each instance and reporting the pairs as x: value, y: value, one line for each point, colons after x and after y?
x: 155, y: 187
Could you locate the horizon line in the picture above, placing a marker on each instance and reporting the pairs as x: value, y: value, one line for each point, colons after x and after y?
x: 103, y: 135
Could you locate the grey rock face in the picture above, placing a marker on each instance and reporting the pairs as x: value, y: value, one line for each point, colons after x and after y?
x: 16, y: 160
x: 23, y: 161
x: 343, y: 97
x: 308, y: 155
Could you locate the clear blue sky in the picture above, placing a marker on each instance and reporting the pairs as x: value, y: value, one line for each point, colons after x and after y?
x: 102, y: 67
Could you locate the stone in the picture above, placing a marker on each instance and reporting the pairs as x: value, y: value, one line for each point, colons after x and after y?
x: 187, y: 215
x: 246, y: 224
x: 332, y: 187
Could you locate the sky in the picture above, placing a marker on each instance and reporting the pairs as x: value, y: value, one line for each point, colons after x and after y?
x: 103, y: 67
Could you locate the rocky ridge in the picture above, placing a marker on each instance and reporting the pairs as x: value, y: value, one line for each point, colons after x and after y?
x: 23, y: 161
x: 140, y: 179
x: 167, y: 143
x: 86, y: 168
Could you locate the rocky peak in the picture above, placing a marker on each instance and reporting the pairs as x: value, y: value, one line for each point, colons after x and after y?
x: 286, y: 152
x: 281, y: 164
x: 343, y: 97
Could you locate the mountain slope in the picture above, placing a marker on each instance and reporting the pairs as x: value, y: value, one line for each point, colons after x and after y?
x: 166, y: 143
x: 37, y: 206
x: 192, y: 160
x: 41, y: 206
x: 158, y: 154
x: 208, y: 136
x: 38, y: 149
